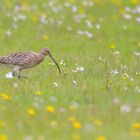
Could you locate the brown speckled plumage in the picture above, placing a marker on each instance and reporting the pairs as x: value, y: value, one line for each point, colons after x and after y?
x: 24, y: 60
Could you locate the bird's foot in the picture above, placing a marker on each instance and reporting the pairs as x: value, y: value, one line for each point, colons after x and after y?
x: 20, y: 76
x: 23, y: 76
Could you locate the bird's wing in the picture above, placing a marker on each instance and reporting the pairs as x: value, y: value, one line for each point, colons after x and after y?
x: 20, y: 58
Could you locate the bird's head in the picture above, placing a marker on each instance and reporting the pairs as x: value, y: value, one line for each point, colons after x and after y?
x: 46, y: 52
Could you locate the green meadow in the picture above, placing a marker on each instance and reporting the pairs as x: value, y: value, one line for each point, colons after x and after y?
x: 97, y: 46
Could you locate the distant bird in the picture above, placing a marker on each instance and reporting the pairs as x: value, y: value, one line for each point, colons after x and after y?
x: 24, y: 60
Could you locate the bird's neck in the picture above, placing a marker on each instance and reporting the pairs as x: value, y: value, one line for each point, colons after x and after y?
x: 42, y: 56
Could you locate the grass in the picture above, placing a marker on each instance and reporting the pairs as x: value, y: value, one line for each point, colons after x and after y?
x: 94, y: 104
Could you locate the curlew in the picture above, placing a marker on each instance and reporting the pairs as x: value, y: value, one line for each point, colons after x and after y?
x: 25, y: 60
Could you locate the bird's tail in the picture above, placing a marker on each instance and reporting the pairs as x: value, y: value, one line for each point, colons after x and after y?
x: 2, y: 59
x: 1, y: 64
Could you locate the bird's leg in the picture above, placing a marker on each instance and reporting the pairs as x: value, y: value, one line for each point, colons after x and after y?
x: 13, y: 73
x: 19, y: 75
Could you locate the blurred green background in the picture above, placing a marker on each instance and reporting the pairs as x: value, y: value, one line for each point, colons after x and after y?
x: 97, y: 45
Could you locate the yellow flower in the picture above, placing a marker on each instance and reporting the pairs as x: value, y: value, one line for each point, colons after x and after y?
x: 3, y: 137
x: 101, y: 138
x: 92, y: 18
x: 76, y: 125
x: 139, y: 44
x: 38, y: 93
x: 5, y: 96
x: 81, y: 11
x: 25, y: 6
x: 31, y: 111
x: 125, y: 76
x: 45, y: 37
x: 72, y: 119
x: 135, y: 1
x: 2, y: 124
x: 72, y: 108
x: 34, y: 18
x: 65, y: 72
x: 72, y: 1
x: 109, y: 82
x: 50, y: 109
x: 136, y: 125
x: 122, y: 11
x: 112, y: 46
x: 98, y: 123
x: 117, y: 2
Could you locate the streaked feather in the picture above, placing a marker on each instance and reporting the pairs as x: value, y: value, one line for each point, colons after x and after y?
x: 24, y: 59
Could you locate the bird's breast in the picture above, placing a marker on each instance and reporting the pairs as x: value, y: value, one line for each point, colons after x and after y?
x: 33, y: 62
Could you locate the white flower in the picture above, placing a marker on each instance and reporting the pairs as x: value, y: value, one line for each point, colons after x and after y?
x: 125, y: 108
x: 80, y: 32
x: 88, y: 3
x: 138, y: 19
x: 74, y: 71
x: 89, y: 35
x: 126, y: 75
x: 55, y: 9
x: 127, y: 16
x: 137, y: 53
x: 62, y: 63
x: 74, y: 82
x: 124, y: 67
x: 28, y: 137
x: 15, y: 85
x: 114, y: 72
x: 116, y: 100
x: 51, y: 3
x: 69, y: 28
x: 53, y: 99
x: 132, y: 79
x: 98, y: 26
x: 74, y: 9
x: 9, y: 33
x: 67, y: 4
x: 138, y: 9
x: 21, y: 17
x: 75, y: 104
x: 116, y: 53
x: 62, y: 110
x: 89, y: 24
x: 14, y: 25
x: 43, y: 19
x: 59, y: 23
x: 89, y: 127
x: 138, y: 109
x: 137, y: 89
x: 127, y: 8
x: 101, y: 59
x: 78, y: 68
x: 125, y: 88
x: 17, y: 7
x: 137, y: 73
x: 55, y: 84
x: 51, y: 63
x: 9, y: 75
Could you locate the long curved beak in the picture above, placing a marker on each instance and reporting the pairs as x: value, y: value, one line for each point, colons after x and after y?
x: 55, y: 62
